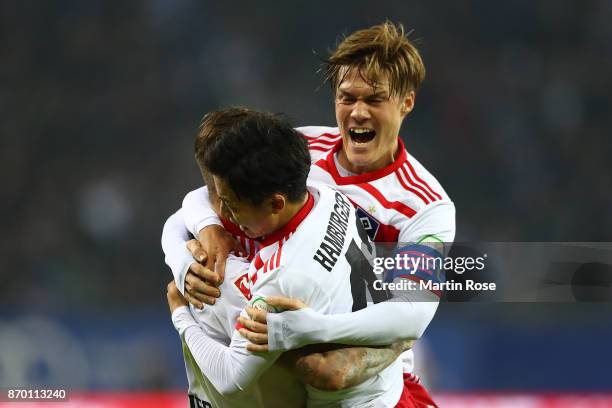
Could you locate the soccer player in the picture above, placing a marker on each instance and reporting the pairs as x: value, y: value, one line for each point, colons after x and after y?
x: 259, y: 167
x: 374, y: 74
x: 327, y: 369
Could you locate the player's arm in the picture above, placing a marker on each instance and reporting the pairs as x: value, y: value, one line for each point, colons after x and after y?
x: 374, y: 325
x: 234, y: 368
x: 334, y: 367
x: 377, y: 324
x: 174, y: 244
x: 434, y: 223
x: 328, y: 367
x: 229, y: 368
x: 312, y: 133
x: 198, y: 276
x: 199, y: 211
x: 193, y: 280
x: 299, y: 325
x: 202, y: 219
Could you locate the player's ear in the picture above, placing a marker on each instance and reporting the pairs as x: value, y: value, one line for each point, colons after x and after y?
x: 407, y: 103
x: 277, y: 202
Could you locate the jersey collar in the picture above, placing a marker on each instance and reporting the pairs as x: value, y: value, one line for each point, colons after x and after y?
x: 292, y: 225
x: 231, y: 227
x: 365, y: 177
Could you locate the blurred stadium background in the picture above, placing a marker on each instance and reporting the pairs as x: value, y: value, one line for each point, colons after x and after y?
x: 101, y: 100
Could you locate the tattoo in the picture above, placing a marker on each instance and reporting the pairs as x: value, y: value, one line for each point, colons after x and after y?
x: 365, y: 362
x: 334, y: 367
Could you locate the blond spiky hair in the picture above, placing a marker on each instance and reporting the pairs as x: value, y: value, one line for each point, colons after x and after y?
x: 380, y: 52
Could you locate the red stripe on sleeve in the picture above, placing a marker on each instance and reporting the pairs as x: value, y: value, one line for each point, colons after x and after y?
x: 334, y: 135
x: 413, y: 172
x: 407, y: 187
x: 407, y: 174
x: 329, y: 143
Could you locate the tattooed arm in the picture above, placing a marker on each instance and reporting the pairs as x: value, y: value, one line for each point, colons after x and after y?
x: 335, y: 367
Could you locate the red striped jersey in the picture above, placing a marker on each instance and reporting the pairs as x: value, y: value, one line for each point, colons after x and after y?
x: 402, y: 202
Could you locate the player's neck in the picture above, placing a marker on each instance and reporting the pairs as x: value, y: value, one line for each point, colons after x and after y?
x: 290, y: 210
x: 382, y: 162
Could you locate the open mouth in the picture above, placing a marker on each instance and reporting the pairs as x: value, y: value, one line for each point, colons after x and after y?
x: 361, y: 135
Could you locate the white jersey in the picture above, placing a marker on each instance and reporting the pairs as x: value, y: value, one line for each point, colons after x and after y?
x: 318, y: 271
x: 311, y: 259
x: 218, y: 322
x: 276, y: 386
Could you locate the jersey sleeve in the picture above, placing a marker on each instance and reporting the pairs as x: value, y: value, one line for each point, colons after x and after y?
x: 177, y: 256
x: 380, y: 324
x: 405, y: 316
x: 435, y: 221
x: 229, y: 368
x: 321, y: 139
x: 198, y: 212
x: 233, y: 368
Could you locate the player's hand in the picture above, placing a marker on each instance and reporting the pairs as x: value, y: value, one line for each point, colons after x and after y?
x: 255, y: 327
x: 203, y: 278
x: 285, y: 303
x: 215, y: 244
x: 201, y: 285
x: 175, y: 299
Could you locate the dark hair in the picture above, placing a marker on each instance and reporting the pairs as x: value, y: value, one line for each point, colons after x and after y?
x: 257, y: 153
x: 211, y: 124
